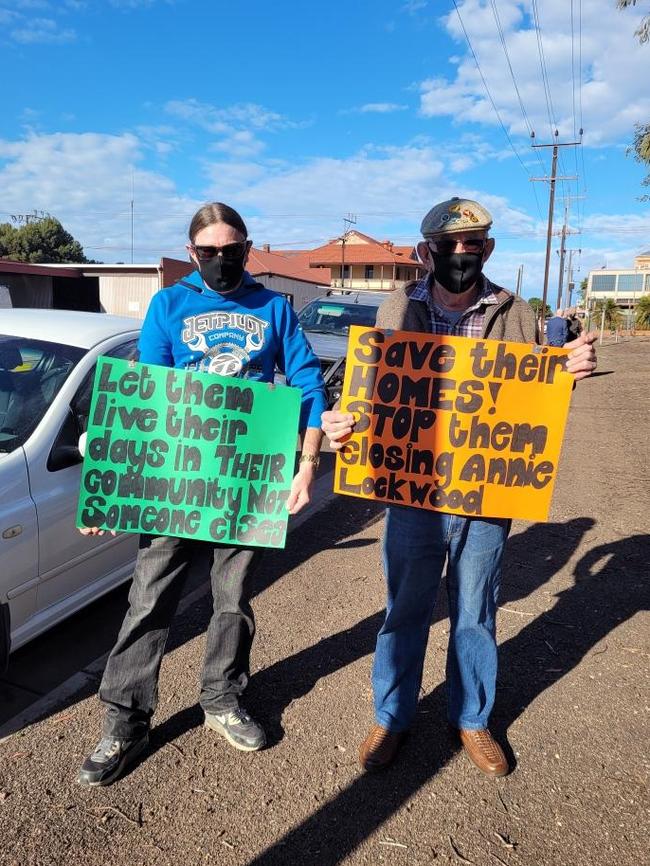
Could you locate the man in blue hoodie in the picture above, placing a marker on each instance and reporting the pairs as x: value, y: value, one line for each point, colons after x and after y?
x: 217, y: 320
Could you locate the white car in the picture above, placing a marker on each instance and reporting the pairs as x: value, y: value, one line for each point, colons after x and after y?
x: 48, y: 570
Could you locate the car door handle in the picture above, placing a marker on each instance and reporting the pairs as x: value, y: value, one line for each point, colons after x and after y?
x: 13, y: 531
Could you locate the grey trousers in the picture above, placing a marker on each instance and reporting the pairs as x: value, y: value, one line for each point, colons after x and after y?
x: 129, y: 687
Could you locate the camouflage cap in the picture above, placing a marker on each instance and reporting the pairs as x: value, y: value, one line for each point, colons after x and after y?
x: 455, y: 215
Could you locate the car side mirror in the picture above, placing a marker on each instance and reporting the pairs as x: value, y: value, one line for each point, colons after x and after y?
x: 66, y: 451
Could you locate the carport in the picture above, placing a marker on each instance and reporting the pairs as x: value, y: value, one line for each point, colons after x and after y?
x: 23, y: 284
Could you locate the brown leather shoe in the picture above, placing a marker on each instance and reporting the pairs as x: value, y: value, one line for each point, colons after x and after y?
x: 379, y: 748
x: 485, y: 752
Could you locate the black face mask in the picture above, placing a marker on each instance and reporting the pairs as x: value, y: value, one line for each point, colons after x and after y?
x: 457, y: 272
x: 222, y: 275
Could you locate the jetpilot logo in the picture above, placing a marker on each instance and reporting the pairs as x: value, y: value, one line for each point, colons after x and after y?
x: 225, y: 339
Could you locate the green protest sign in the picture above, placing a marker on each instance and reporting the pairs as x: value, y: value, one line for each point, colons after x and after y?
x: 194, y: 455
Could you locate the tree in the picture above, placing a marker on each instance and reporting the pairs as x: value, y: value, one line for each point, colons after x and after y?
x: 582, y: 292
x: 43, y: 241
x: 641, y: 150
x: 643, y: 32
x: 642, y: 310
x: 536, y: 304
x: 612, y: 314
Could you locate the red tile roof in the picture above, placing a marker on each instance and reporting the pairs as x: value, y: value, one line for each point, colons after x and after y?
x: 294, y: 266
x: 370, y: 252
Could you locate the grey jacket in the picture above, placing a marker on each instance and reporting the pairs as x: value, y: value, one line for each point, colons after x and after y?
x: 511, y: 319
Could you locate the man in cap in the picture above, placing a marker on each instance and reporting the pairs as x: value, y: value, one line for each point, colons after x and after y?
x: 453, y: 298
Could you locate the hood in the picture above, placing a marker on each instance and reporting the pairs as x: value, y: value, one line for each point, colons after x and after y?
x: 328, y: 346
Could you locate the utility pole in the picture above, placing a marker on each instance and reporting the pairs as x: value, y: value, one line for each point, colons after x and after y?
x: 570, y: 284
x: 549, y: 232
x: 562, y: 246
x: 564, y: 233
x: 520, y: 274
x: 132, y: 202
x: 349, y: 220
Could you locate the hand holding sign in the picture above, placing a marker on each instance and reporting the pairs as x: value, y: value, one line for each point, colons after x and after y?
x: 451, y: 423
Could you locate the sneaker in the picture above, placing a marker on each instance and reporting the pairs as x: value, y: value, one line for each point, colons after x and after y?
x: 109, y: 760
x: 238, y: 728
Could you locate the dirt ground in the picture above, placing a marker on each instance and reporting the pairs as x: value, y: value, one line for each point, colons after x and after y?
x: 572, y: 706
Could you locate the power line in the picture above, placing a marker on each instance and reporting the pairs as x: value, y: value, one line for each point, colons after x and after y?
x: 487, y: 90
x: 582, y: 153
x: 542, y: 64
x: 502, y: 39
x: 552, y: 118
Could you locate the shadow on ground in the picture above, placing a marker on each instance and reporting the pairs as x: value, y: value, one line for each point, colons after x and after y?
x: 330, y: 528
x: 611, y: 585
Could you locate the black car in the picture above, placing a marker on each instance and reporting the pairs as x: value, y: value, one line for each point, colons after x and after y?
x: 326, y: 321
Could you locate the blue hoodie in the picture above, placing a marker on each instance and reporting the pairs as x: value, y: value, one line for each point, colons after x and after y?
x: 247, y: 333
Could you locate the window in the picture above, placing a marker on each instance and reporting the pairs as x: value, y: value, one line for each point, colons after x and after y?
x: 321, y: 317
x: 370, y: 272
x: 32, y: 373
x: 80, y: 403
x: 346, y: 272
x: 603, y: 282
x: 630, y: 283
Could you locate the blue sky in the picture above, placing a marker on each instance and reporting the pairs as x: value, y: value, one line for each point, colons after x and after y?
x: 299, y: 113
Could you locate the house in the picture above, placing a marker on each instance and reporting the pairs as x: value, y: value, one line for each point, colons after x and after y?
x: 358, y: 261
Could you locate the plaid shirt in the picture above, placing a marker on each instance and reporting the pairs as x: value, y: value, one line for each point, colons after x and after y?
x: 470, y: 323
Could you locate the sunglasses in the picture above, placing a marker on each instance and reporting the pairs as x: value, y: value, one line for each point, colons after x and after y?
x: 469, y: 245
x: 228, y: 252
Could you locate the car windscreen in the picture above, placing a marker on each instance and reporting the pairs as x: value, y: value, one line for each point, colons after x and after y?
x: 328, y: 317
x: 31, y: 375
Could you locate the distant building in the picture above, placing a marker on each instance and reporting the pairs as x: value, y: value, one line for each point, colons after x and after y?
x: 623, y: 285
x: 121, y: 289
x: 357, y: 261
x: 126, y: 289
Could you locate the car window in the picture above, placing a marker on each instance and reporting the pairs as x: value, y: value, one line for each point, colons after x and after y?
x: 32, y: 373
x: 80, y: 403
x: 329, y: 317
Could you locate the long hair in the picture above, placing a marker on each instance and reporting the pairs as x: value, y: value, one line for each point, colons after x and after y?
x: 216, y: 212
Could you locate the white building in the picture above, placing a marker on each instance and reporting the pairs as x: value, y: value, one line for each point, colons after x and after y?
x: 623, y: 285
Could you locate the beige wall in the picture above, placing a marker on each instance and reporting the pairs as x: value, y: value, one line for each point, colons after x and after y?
x: 127, y: 294
x: 302, y: 292
x: 357, y: 276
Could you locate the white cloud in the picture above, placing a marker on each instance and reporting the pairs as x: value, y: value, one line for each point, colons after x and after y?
x: 381, y: 107
x: 414, y: 6
x: 43, y: 31
x: 236, y: 128
x: 85, y: 180
x: 614, y: 91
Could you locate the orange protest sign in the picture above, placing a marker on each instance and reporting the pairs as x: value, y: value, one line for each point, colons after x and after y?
x: 456, y: 424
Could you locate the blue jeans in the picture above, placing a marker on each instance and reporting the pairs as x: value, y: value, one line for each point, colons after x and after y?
x: 416, y: 544
x: 129, y: 687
